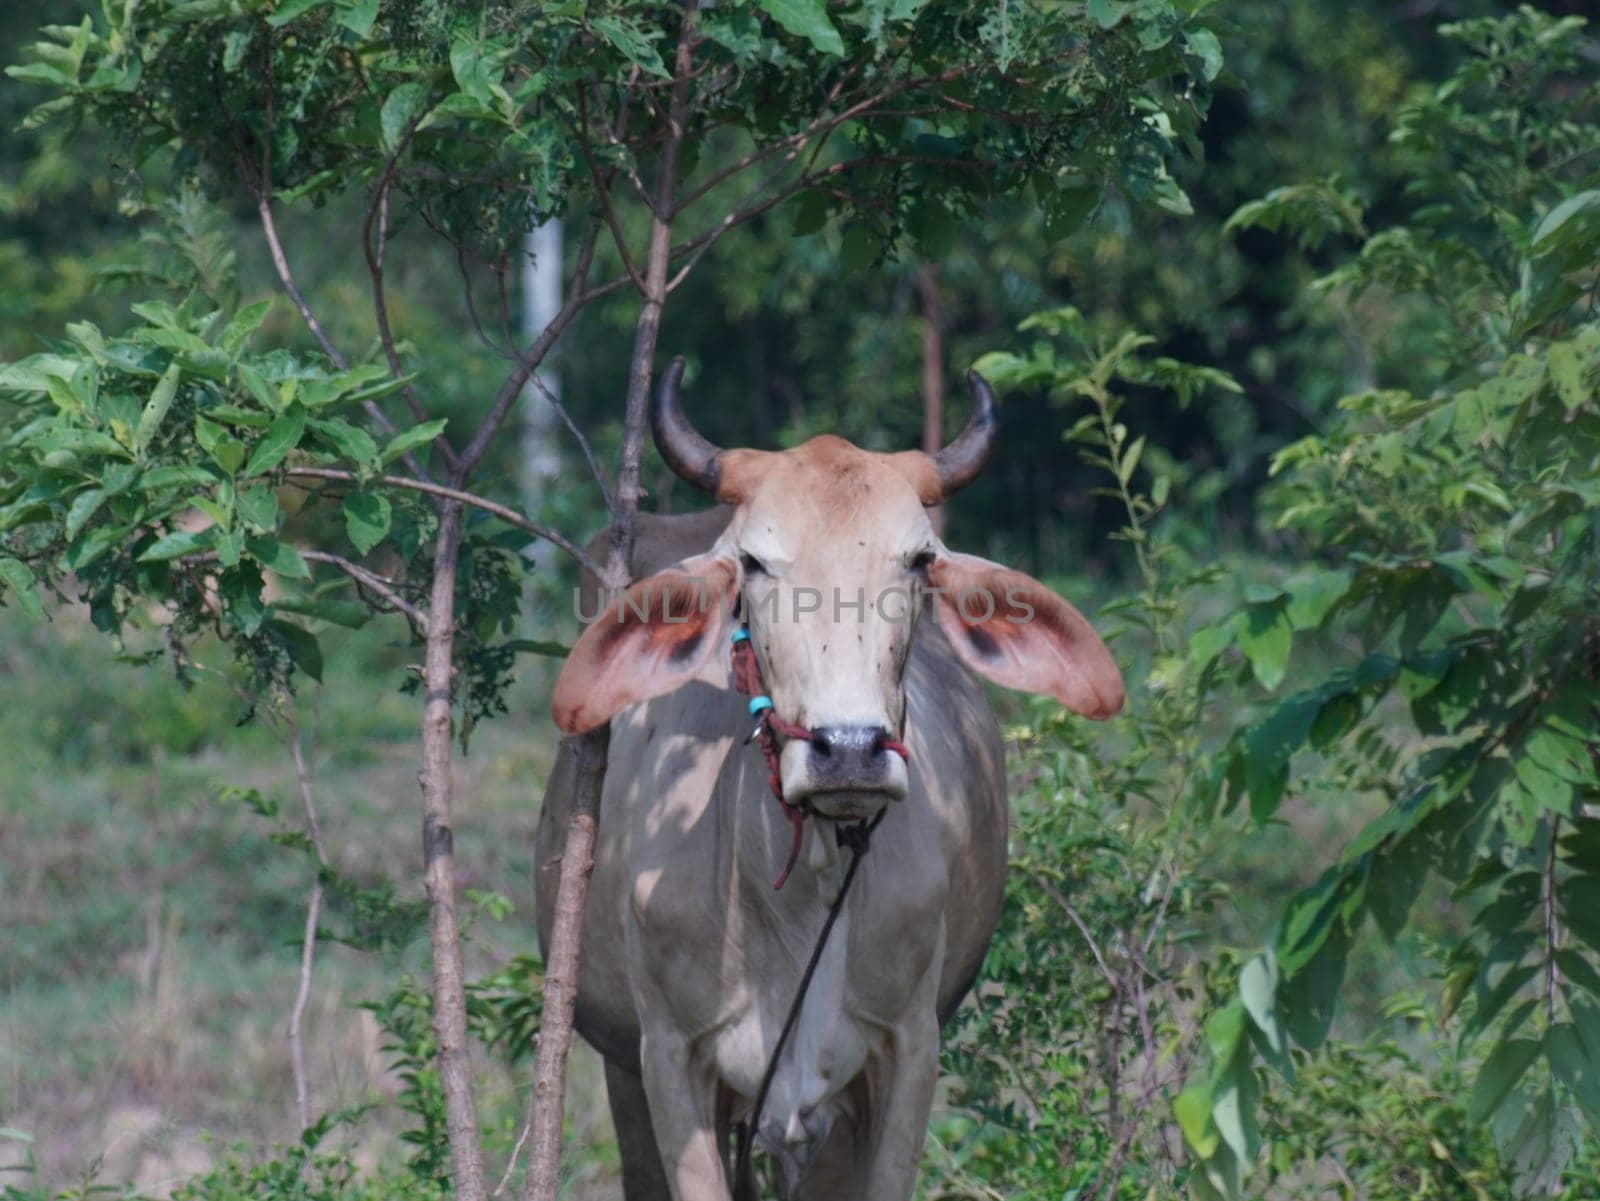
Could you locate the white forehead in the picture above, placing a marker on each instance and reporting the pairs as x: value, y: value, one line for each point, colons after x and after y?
x: 827, y: 501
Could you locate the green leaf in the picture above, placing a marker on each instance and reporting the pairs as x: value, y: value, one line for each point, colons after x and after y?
x: 366, y: 519
x: 408, y: 440
x: 1193, y: 1111
x: 1312, y: 597
x: 290, y: 9
x: 245, y: 322
x: 353, y: 443
x: 401, y: 105
x: 472, y: 64
x: 265, y: 394
x: 83, y: 508
x: 282, y: 436
x: 1575, y: 219
x: 1265, y: 635
x: 302, y: 646
x: 349, y: 614
x: 807, y: 19
x: 278, y: 556
x: 1499, y: 1074
x: 359, y: 16
x: 1233, y: 1109
x: 186, y: 476
x: 155, y: 409
x: 1571, y: 1061
x: 1204, y: 44
x: 19, y: 579
x: 179, y: 542
x: 1258, y: 989
x: 1130, y: 461
x: 259, y: 508
x: 633, y: 45
x: 1578, y: 970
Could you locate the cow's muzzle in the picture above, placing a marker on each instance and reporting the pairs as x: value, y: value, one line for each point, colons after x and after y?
x: 844, y: 771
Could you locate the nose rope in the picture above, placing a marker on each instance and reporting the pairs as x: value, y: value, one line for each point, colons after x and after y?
x: 769, y: 727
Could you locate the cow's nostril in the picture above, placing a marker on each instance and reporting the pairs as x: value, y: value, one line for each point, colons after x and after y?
x: 854, y: 750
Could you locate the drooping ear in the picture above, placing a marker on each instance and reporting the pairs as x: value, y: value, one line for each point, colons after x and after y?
x: 648, y: 641
x: 1012, y: 629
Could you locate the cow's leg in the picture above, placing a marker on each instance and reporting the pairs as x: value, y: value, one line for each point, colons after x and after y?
x: 833, y: 1172
x: 682, y: 1100
x: 642, y: 1175
x: 901, y: 1088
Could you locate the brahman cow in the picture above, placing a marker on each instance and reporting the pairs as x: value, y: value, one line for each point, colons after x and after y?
x: 691, y: 956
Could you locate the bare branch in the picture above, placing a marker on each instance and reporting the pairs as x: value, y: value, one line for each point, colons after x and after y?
x: 379, y: 586
x: 511, y: 1165
x: 308, y: 946
x: 373, y: 248
x: 507, y: 515
x: 602, y: 191
x: 529, y: 362
x: 504, y: 352
x: 280, y: 263
x: 583, y: 442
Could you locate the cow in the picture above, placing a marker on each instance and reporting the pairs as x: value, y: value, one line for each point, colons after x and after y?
x: 867, y: 630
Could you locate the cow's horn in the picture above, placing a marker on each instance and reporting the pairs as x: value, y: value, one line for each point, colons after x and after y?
x: 960, y: 463
x: 689, y: 455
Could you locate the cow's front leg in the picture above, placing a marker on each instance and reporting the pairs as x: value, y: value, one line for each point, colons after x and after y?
x: 681, y: 1088
x: 900, y: 1088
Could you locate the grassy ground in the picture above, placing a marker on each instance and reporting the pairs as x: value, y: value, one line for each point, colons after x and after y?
x: 153, y: 925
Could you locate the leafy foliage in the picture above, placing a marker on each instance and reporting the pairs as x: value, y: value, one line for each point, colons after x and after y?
x: 1452, y: 547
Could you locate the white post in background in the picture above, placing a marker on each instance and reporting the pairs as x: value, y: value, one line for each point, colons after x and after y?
x: 541, y: 428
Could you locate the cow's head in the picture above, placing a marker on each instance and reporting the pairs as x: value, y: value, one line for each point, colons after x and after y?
x: 830, y: 558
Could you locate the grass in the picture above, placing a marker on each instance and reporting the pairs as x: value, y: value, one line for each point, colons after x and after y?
x: 154, y: 925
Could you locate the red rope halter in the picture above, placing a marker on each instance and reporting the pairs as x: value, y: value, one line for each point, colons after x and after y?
x: 769, y: 726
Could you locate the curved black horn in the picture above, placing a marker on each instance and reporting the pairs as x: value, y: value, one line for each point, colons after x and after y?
x: 690, y: 456
x: 960, y: 463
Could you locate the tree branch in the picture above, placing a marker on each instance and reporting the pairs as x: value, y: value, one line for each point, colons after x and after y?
x: 383, y: 588
x: 528, y: 362
x: 373, y: 251
x: 308, y: 946
x: 583, y: 442
x: 602, y: 191
x: 507, y: 515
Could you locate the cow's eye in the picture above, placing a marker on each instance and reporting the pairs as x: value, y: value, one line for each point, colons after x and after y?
x: 752, y: 565
x: 921, y: 561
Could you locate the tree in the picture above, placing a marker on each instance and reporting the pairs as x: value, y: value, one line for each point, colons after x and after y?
x: 1449, y: 539
x: 155, y: 465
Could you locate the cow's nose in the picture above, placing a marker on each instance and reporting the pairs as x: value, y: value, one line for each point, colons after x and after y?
x: 846, y: 755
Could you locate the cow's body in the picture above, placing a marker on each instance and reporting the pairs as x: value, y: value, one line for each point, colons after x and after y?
x: 860, y: 624
x: 692, y: 958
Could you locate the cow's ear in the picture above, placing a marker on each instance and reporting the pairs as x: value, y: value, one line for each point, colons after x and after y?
x: 648, y: 641
x: 1018, y: 633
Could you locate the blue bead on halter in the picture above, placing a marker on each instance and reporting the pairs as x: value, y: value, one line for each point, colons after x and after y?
x: 758, y: 704
x: 742, y: 634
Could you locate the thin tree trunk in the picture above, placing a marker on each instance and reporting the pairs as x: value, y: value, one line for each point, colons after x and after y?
x: 561, y: 972
x: 932, y: 374
x: 439, y: 874
x: 577, y: 856
x: 648, y: 326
